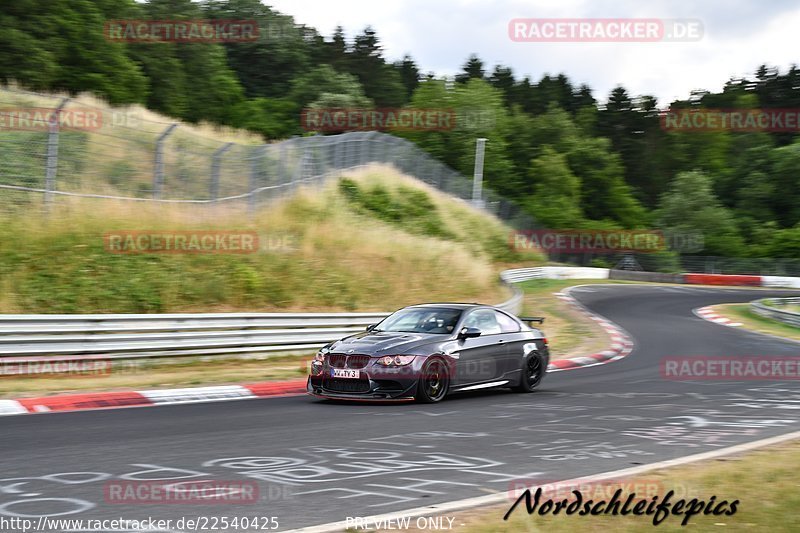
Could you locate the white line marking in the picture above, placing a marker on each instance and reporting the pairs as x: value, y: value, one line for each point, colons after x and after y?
x: 503, y: 497
x: 484, y: 385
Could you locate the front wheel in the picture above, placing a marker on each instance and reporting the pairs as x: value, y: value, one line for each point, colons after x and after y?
x: 434, y: 382
x: 533, y: 370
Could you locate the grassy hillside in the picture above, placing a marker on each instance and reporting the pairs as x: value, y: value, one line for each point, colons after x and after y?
x: 373, y: 241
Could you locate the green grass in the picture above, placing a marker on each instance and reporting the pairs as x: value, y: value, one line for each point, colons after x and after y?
x: 750, y: 320
x: 340, y: 258
x: 407, y: 208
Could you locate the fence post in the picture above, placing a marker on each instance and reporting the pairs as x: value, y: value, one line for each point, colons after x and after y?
x: 347, y: 140
x: 337, y: 154
x: 255, y: 173
x: 477, y: 182
x: 384, y: 157
x: 300, y: 170
x: 282, y: 162
x: 51, y: 168
x: 216, y: 164
x: 158, y: 164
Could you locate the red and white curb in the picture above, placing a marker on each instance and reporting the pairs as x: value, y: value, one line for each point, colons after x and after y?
x: 622, y: 342
x: 708, y: 313
x: 112, y: 400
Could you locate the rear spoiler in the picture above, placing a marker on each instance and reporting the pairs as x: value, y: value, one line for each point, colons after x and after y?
x: 538, y: 319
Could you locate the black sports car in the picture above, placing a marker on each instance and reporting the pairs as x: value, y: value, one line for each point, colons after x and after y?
x: 424, y: 352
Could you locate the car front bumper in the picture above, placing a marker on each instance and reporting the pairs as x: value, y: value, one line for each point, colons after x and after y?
x: 374, y: 385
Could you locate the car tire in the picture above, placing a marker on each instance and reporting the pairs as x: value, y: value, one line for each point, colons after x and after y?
x: 532, y: 372
x: 434, y: 382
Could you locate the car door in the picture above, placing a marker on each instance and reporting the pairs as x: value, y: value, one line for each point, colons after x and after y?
x: 514, y: 340
x: 481, y: 359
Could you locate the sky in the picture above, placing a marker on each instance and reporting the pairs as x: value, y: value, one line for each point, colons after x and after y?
x: 737, y: 37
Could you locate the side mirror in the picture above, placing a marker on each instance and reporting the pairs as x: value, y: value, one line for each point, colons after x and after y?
x: 371, y: 327
x: 469, y: 333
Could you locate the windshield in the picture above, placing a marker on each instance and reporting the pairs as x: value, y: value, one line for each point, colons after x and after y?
x: 422, y: 320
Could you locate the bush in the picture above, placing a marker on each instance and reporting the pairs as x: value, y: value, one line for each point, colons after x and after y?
x: 412, y: 209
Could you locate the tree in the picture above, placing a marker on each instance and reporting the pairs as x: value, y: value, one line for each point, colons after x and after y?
x: 604, y: 193
x: 209, y: 88
x: 267, y: 66
x: 336, y: 50
x: 786, y: 180
x: 784, y: 243
x: 24, y: 58
x: 60, y: 45
x: 382, y: 83
x: 409, y: 75
x: 274, y: 118
x: 472, y: 69
x: 557, y: 194
x: 310, y: 89
x: 503, y: 78
x: 691, y: 206
x: 479, y: 112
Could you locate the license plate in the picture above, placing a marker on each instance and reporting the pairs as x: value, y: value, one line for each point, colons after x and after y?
x: 345, y: 373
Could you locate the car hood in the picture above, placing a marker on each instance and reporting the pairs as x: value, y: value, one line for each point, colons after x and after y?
x: 383, y: 342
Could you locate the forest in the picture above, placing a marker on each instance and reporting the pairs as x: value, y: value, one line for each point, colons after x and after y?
x: 571, y: 158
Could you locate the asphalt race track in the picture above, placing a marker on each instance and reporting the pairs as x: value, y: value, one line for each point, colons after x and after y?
x: 317, y: 462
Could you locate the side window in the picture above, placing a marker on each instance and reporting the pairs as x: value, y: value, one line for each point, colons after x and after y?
x: 483, y: 319
x: 506, y: 323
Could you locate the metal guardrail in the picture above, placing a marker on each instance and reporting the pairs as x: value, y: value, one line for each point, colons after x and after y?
x: 40, y: 339
x: 32, y: 338
x: 763, y: 308
x: 518, y: 275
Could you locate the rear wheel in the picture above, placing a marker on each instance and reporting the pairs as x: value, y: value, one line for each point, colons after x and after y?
x: 533, y: 370
x: 434, y: 382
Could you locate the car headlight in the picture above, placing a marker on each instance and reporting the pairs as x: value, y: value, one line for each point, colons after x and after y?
x: 317, y: 363
x: 395, y: 360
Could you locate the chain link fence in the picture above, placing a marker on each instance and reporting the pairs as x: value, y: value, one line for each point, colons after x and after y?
x: 52, y: 147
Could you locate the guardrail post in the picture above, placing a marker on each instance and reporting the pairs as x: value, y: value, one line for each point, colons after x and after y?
x: 216, y: 163
x: 51, y: 168
x: 158, y: 163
